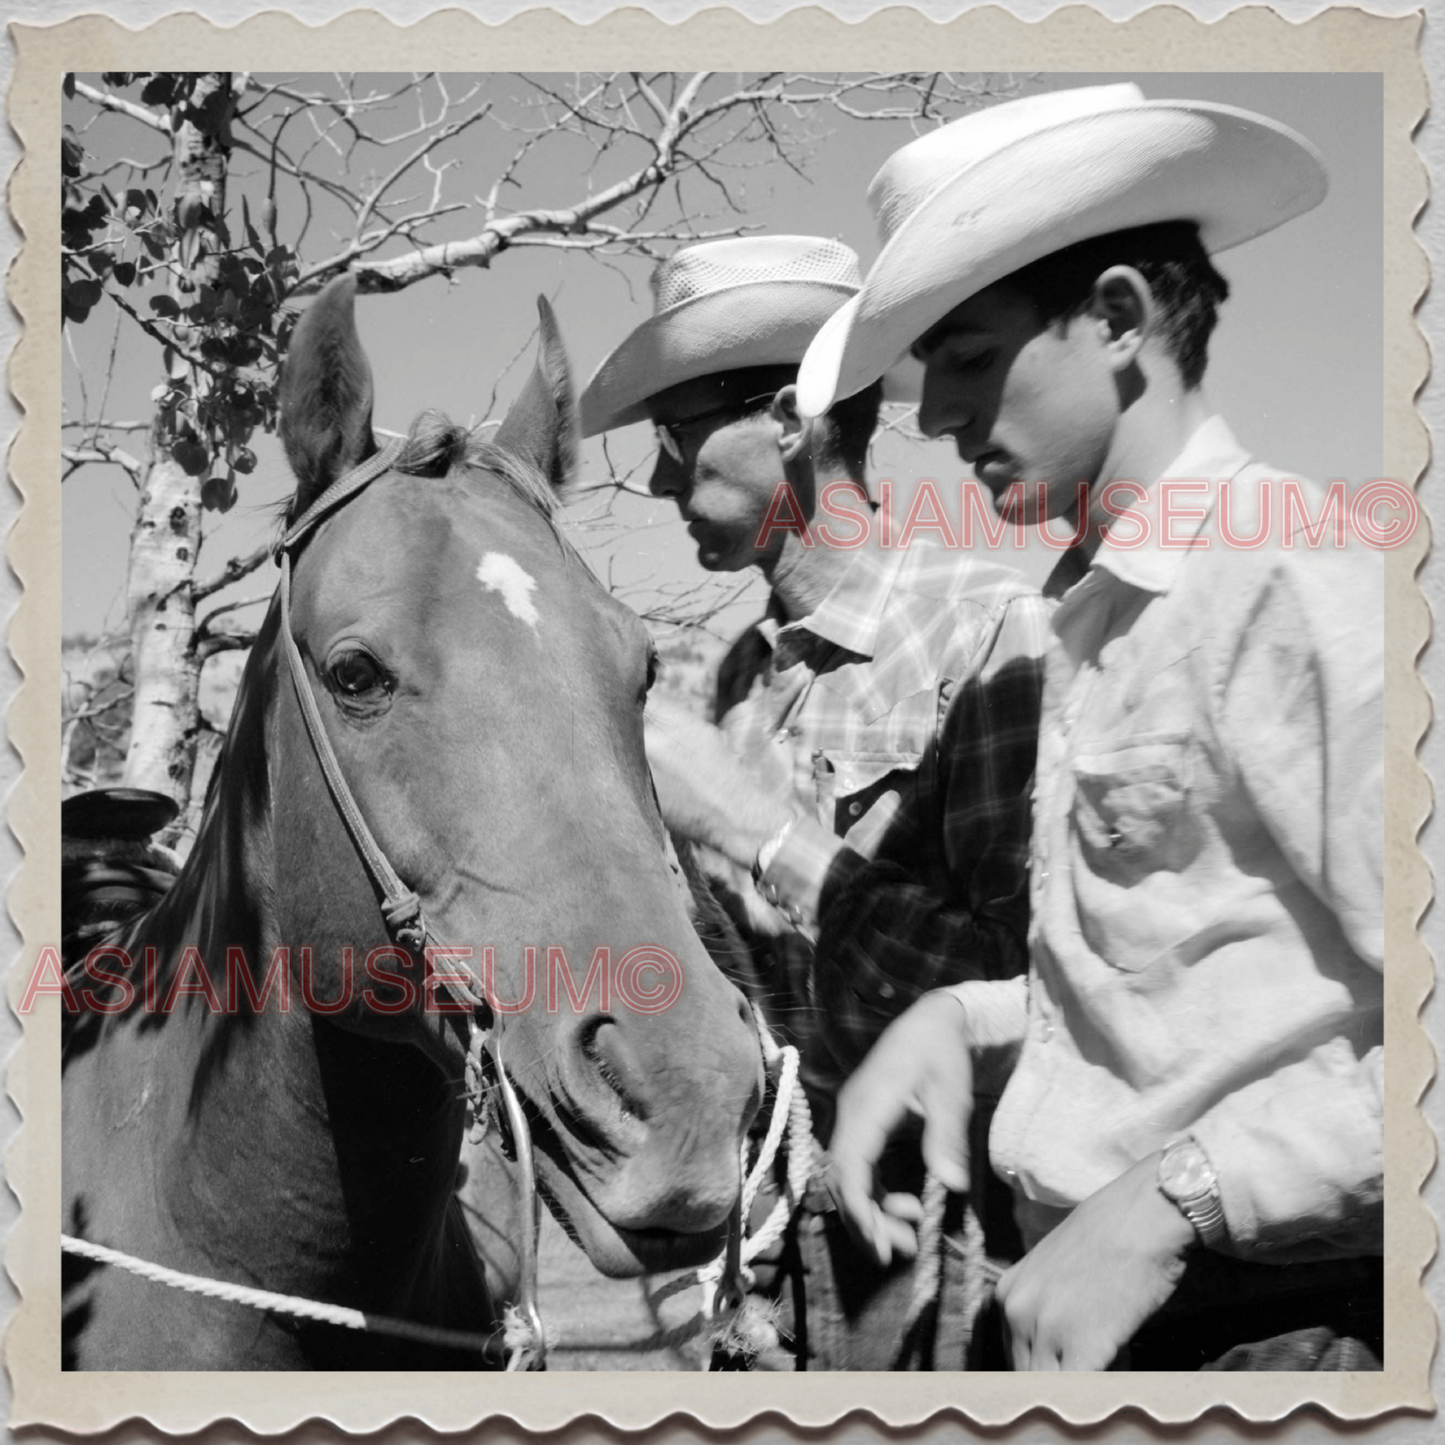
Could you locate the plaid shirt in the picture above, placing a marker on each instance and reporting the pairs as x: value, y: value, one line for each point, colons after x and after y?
x: 902, y: 715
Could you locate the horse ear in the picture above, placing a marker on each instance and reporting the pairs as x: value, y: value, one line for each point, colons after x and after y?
x: 541, y: 427
x: 326, y: 394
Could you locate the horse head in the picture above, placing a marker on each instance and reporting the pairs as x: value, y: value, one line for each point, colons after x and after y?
x: 483, y: 695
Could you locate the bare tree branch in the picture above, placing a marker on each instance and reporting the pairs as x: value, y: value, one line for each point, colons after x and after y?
x: 103, y: 98
x: 102, y: 451
x: 223, y: 642
x: 233, y: 571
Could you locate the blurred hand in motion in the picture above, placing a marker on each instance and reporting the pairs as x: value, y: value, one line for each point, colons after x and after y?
x: 707, y: 796
x: 919, y: 1068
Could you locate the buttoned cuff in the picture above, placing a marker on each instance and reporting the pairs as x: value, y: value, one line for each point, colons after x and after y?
x: 793, y: 880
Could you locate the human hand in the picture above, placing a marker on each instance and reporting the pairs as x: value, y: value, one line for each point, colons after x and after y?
x: 1078, y: 1297
x: 920, y: 1066
x: 707, y: 796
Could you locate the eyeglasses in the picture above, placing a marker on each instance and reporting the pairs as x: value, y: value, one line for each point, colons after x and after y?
x: 666, y: 430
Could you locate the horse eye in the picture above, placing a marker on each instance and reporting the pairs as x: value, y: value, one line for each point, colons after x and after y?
x: 355, y: 674
x: 654, y: 666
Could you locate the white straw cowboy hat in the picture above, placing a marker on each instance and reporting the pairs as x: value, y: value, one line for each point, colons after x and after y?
x: 722, y: 306
x: 975, y: 200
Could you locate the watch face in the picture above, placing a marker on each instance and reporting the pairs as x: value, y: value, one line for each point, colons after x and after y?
x: 1185, y: 1173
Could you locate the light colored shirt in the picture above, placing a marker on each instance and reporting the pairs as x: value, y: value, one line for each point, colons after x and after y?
x: 1206, y: 941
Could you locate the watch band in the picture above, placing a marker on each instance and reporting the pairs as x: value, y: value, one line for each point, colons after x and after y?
x: 1187, y: 1179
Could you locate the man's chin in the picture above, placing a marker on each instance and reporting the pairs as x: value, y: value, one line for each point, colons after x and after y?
x: 712, y: 560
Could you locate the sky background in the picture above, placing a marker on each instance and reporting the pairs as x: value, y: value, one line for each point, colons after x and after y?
x: 1296, y: 364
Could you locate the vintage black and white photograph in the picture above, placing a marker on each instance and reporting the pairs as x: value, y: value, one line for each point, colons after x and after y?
x: 723, y: 722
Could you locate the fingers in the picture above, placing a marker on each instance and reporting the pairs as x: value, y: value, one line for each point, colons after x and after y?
x: 908, y: 1207
x: 851, y: 1185
x: 945, y: 1097
x: 919, y: 1066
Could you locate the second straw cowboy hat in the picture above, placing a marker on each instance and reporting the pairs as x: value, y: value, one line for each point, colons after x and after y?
x: 722, y: 306
x: 973, y: 201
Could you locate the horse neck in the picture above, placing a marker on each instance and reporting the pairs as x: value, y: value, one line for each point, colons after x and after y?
x: 315, y: 1159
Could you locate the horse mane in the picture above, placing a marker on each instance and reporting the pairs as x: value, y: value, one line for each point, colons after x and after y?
x: 435, y: 446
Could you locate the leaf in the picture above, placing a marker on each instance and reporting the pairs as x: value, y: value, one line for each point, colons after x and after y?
x: 68, y: 85
x: 164, y: 305
x: 191, y: 457
x: 218, y: 494
x: 85, y: 293
x: 159, y: 90
x: 124, y: 272
x: 159, y: 393
x: 252, y: 239
x: 136, y: 201
x: 244, y: 460
x: 100, y: 261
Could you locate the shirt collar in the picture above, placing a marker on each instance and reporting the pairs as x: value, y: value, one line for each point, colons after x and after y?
x: 1210, y: 455
x: 852, y: 613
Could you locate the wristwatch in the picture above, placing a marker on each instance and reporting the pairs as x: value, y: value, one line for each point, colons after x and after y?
x: 1187, y: 1179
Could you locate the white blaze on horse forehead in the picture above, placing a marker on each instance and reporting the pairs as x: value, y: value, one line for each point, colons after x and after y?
x: 501, y: 573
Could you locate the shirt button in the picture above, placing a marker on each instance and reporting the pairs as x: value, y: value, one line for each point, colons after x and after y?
x: 854, y: 808
x: 886, y: 990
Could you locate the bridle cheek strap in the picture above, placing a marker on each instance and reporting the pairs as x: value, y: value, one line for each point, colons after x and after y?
x: 400, y: 906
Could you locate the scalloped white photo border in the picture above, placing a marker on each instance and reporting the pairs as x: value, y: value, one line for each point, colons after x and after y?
x: 1077, y: 38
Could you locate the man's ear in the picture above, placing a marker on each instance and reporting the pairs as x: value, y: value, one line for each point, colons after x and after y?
x: 1124, y: 306
x: 797, y: 430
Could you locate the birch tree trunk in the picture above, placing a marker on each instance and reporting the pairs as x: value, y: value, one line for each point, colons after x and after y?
x: 167, y: 532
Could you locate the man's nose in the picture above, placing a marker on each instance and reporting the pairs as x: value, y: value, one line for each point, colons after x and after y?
x: 668, y: 479
x: 944, y: 407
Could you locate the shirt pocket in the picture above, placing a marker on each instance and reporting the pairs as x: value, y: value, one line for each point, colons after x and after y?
x: 1132, y: 811
x: 865, y: 791
x: 870, y: 772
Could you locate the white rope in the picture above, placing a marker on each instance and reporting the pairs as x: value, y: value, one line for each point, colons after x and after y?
x: 284, y: 1304
x: 750, y: 1325
x: 928, y: 1265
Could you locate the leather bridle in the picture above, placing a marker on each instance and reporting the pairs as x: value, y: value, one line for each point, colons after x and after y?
x: 400, y: 907
x: 406, y: 924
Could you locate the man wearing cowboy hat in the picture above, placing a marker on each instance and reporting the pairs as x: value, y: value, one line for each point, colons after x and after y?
x: 1197, y: 1096
x: 876, y: 729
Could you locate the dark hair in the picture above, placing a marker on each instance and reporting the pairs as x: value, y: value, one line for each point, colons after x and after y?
x: 842, y: 437
x: 1168, y: 255
x: 844, y: 431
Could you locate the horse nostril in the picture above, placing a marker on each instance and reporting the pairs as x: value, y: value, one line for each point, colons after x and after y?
x: 601, y: 1043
